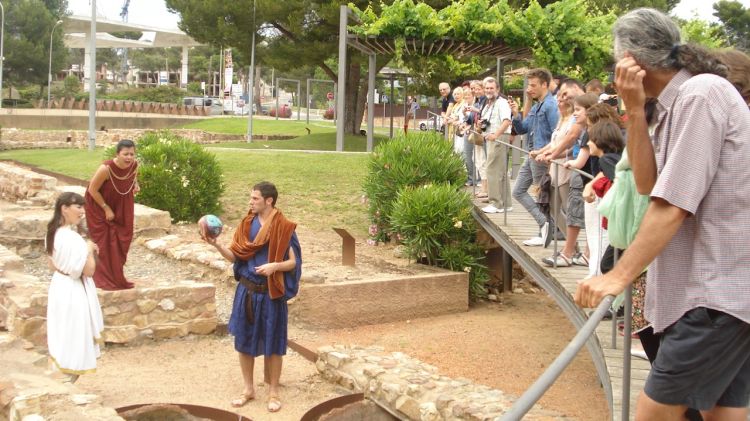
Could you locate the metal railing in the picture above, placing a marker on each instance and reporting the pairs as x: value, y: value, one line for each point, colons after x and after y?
x: 545, y: 381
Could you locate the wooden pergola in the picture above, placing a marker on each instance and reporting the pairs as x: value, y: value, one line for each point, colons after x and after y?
x: 372, y: 46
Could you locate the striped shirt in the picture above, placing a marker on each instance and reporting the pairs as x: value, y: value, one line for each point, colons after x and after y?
x: 702, y: 147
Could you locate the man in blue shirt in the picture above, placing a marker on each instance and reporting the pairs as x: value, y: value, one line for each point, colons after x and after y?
x: 540, y: 121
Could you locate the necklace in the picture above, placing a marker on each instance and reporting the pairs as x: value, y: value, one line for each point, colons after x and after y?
x: 114, y: 185
x: 131, y: 171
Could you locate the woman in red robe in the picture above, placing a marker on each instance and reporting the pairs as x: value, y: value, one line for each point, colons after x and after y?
x: 110, y: 215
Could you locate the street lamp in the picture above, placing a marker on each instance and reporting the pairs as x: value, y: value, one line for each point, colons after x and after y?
x: 251, y: 90
x: 2, y: 58
x: 49, y: 75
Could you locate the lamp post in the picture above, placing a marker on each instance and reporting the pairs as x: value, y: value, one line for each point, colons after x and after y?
x: 49, y: 75
x: 251, y: 88
x: 2, y: 58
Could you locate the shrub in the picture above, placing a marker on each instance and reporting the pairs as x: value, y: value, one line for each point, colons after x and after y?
x: 435, y: 224
x: 285, y: 112
x: 71, y: 86
x: 412, y: 160
x: 177, y: 175
x: 162, y: 94
x: 328, y: 114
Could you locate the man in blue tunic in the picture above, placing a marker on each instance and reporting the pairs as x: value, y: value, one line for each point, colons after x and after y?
x: 267, y: 265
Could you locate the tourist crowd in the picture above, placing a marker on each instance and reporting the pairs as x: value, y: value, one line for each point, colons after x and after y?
x: 651, y: 164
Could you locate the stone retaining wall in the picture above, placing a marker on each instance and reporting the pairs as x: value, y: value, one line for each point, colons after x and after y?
x: 158, y: 310
x: 18, y: 183
x: 414, y: 389
x: 78, y: 139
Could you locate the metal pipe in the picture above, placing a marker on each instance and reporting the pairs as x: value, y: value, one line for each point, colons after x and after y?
x: 251, y: 88
x: 626, y: 346
x: 307, y: 92
x: 299, y: 100
x: 371, y: 102
x: 2, y: 44
x: 49, y: 75
x: 545, y: 381
x: 92, y: 79
x: 341, y: 93
x: 554, y: 161
x: 555, y: 214
x: 390, y: 107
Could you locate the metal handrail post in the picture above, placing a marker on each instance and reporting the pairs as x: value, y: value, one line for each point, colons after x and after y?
x: 626, y: 346
x: 555, y: 214
x: 548, y: 378
x: 307, y: 91
x: 505, y: 187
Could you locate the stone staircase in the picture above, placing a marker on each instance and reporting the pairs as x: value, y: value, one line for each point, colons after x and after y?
x: 29, y: 389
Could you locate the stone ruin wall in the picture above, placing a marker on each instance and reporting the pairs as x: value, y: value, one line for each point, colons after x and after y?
x: 78, y: 139
x: 414, y: 389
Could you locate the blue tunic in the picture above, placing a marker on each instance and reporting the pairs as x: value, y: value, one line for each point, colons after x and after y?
x: 268, y: 333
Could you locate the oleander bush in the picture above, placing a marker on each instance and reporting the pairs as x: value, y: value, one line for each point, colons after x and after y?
x: 177, y: 175
x: 435, y: 224
x: 411, y: 160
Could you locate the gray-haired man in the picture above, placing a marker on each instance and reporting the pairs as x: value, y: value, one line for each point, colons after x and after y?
x: 698, y: 288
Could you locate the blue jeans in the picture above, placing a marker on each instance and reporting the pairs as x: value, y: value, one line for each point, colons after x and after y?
x: 531, y: 171
x: 469, y: 160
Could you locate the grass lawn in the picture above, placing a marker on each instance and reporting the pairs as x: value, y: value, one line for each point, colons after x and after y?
x: 264, y: 126
x: 318, y: 191
x: 316, y: 141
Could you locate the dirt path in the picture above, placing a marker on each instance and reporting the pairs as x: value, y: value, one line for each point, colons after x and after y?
x: 505, y: 346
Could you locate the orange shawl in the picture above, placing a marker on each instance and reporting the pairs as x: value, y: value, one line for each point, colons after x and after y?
x: 277, y: 233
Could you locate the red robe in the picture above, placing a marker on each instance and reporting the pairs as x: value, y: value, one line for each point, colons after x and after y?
x: 113, y: 237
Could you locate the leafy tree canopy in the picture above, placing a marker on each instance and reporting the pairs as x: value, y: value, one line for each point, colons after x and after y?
x: 28, y: 24
x: 566, y: 35
x: 736, y: 20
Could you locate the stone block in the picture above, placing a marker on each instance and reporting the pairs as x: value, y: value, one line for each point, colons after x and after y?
x: 203, y: 326
x: 120, y: 334
x: 409, y: 407
x: 389, y: 300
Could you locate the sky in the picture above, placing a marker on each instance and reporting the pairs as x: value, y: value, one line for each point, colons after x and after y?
x: 154, y: 12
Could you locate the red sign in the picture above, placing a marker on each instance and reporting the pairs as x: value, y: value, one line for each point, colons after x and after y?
x: 329, y: 95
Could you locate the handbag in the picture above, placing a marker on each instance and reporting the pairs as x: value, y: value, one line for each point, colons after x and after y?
x: 476, y: 138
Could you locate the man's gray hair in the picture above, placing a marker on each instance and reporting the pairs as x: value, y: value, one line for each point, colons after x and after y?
x: 653, y: 39
x: 649, y: 36
x: 490, y: 79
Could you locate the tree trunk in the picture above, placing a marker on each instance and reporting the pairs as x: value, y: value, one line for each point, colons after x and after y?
x: 353, y: 101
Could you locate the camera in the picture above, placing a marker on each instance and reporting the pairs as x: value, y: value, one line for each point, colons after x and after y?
x: 484, y: 124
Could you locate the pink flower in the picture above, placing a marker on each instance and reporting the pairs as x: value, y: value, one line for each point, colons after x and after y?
x: 371, y: 242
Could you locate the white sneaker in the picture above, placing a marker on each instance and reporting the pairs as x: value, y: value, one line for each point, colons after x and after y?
x: 534, y: 242
x: 490, y: 209
x: 505, y: 210
x: 639, y: 354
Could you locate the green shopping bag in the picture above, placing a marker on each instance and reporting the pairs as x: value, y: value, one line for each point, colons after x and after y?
x: 623, y: 206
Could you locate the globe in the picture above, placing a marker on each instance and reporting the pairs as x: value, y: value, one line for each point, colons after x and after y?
x: 210, y: 225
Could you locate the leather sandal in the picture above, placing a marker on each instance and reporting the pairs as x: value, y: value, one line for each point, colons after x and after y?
x: 242, y: 400
x: 274, y: 404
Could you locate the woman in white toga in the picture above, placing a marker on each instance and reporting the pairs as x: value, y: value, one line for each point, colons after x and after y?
x: 74, y: 317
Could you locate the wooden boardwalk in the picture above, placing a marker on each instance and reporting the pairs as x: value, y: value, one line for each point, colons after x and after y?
x: 560, y: 283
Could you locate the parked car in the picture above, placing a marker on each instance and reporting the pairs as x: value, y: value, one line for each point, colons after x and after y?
x: 429, y: 124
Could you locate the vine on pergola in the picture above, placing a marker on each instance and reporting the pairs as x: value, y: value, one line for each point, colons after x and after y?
x: 571, y: 36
